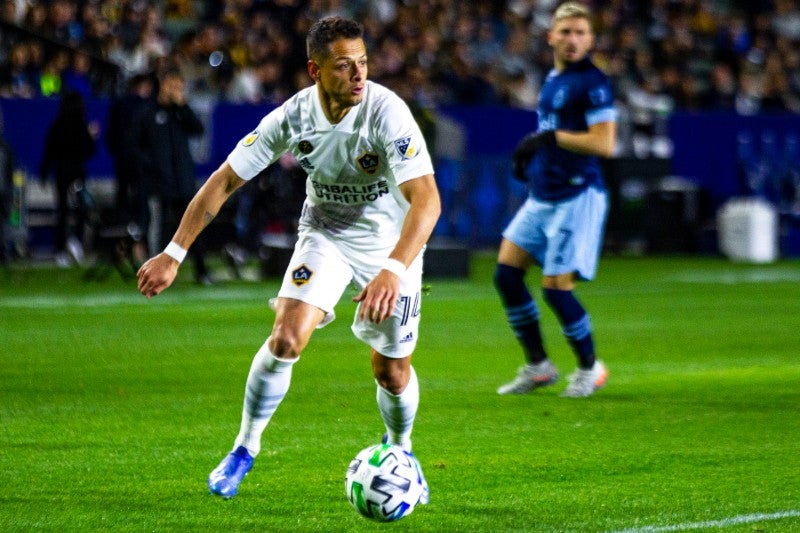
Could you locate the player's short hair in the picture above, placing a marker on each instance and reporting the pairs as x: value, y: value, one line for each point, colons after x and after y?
x: 327, y: 30
x: 571, y: 10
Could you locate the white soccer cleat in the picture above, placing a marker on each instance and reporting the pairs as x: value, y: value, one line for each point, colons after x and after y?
x: 583, y: 383
x: 531, y: 377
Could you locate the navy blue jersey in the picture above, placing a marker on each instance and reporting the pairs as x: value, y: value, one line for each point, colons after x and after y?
x: 573, y: 99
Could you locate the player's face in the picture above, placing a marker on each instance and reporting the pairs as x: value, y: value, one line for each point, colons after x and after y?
x: 571, y: 39
x: 342, y: 74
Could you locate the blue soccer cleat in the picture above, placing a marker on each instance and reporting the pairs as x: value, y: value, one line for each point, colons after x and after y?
x: 224, y: 479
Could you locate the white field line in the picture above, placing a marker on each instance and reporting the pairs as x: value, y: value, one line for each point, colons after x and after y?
x: 724, y: 522
x: 735, y: 277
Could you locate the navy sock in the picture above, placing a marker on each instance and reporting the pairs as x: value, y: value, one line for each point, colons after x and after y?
x: 521, y: 311
x: 575, y: 324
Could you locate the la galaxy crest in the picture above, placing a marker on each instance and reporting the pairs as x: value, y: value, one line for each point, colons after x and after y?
x: 369, y: 162
x: 301, y: 275
x: 406, y: 148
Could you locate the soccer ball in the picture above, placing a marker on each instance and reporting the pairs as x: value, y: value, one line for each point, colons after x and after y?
x: 383, y: 482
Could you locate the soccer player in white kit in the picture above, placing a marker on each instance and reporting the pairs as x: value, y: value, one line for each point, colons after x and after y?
x: 371, y: 205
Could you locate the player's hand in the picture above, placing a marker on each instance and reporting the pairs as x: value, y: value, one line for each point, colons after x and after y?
x: 379, y: 297
x: 156, y: 274
x: 527, y: 148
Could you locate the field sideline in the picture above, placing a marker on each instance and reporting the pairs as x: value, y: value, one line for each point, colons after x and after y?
x: 114, y: 408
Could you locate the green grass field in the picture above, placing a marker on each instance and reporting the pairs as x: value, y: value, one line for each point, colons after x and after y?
x: 113, y: 409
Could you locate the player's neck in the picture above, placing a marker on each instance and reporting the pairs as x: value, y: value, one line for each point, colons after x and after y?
x: 560, y: 65
x: 334, y: 111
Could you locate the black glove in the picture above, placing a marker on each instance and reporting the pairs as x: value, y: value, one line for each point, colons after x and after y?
x: 527, y: 148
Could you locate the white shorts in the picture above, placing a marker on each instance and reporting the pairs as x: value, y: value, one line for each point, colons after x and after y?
x: 322, y: 268
x: 563, y: 236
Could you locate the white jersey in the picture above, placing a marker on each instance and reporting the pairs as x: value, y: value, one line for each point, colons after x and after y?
x: 354, y: 167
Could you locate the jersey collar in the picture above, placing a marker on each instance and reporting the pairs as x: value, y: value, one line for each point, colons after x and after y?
x: 321, y: 120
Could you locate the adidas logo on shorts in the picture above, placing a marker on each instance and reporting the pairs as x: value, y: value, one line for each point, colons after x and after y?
x: 407, y: 338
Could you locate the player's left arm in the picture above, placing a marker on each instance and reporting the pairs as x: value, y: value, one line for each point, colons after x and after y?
x: 423, y: 212
x: 598, y: 140
x: 601, y: 133
x: 380, y: 295
x: 158, y: 272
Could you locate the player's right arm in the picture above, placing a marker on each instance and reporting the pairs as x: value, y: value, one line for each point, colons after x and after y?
x: 598, y: 140
x: 159, y: 272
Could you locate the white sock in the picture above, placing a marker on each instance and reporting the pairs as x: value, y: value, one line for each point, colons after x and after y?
x: 266, y: 387
x: 399, y: 410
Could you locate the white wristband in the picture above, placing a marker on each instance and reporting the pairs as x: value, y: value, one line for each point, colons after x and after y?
x: 394, y: 266
x: 175, y: 251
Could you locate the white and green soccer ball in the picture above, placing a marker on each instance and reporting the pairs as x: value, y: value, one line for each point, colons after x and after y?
x: 383, y: 482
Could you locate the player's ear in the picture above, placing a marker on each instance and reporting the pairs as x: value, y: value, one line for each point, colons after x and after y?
x: 313, y: 69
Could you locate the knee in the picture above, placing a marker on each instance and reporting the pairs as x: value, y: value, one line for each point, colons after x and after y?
x: 510, y: 284
x: 391, y: 378
x: 508, y: 277
x: 285, y: 343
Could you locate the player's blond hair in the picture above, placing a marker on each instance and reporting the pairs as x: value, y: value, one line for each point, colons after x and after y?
x: 569, y: 10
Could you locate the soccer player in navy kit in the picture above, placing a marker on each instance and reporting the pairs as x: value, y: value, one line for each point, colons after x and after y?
x: 560, y: 226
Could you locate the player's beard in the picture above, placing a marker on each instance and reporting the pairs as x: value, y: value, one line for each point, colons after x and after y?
x: 571, y: 54
x: 350, y: 99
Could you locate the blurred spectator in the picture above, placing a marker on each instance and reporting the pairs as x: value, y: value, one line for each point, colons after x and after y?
x: 786, y: 19
x: 130, y: 198
x: 777, y: 91
x: 16, y: 80
x: 205, y: 64
x: 650, y: 108
x: 129, y: 56
x: 10, y: 12
x: 154, y: 40
x: 160, y: 135
x: 748, y: 93
x: 51, y: 76
x: 256, y: 84
x: 468, y: 53
x: 97, y: 31
x: 78, y: 77
x: 69, y: 143
x: 721, y: 92
x: 36, y: 18
x: 8, y: 37
x: 60, y: 23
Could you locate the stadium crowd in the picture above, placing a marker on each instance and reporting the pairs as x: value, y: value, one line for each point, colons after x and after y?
x: 662, y: 54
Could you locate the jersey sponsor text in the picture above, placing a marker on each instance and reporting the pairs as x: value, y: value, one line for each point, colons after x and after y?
x: 351, y: 193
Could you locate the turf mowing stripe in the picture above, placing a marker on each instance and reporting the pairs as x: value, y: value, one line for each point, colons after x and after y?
x: 132, y: 297
x: 725, y: 522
